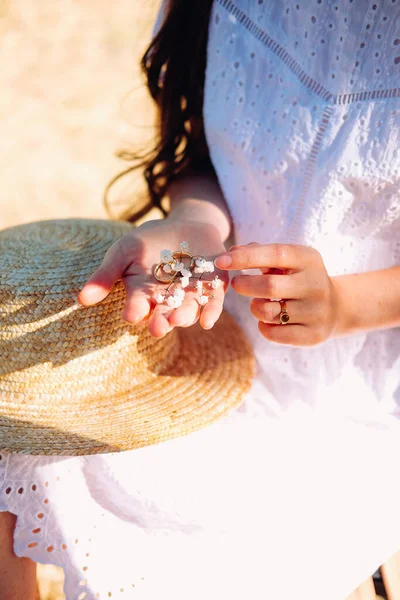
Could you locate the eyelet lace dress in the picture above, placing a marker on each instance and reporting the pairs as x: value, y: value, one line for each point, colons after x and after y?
x: 280, y: 499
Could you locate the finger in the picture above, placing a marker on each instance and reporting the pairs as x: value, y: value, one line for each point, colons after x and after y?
x: 291, y: 335
x: 272, y: 271
x: 277, y: 256
x: 268, y: 311
x: 236, y: 246
x: 212, y: 310
x: 138, y: 308
x: 269, y: 286
x: 158, y: 323
x: 101, y: 282
x: 139, y: 298
x: 185, y: 315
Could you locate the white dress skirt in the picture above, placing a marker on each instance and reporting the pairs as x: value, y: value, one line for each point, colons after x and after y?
x: 254, y: 506
x: 296, y: 493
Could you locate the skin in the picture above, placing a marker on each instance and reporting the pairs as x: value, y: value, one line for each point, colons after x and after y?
x: 198, y: 215
x: 133, y: 259
x: 17, y: 575
x: 320, y: 306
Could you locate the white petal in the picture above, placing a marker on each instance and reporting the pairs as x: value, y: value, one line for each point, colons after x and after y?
x: 174, y: 301
x: 177, y: 266
x: 159, y: 298
x: 184, y: 281
x: 171, y: 301
x: 202, y: 300
x: 165, y: 255
x: 199, y: 270
x: 200, y: 262
x: 209, y: 266
x: 186, y: 273
x: 185, y: 246
x: 199, y: 286
x: 167, y: 268
x: 216, y: 283
x: 179, y: 293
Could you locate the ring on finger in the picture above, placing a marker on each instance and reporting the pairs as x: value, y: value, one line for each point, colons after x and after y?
x: 284, y: 316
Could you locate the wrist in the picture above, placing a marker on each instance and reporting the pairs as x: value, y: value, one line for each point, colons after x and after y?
x: 201, y: 212
x: 367, y: 301
x: 199, y: 198
x: 203, y: 238
x: 344, y: 320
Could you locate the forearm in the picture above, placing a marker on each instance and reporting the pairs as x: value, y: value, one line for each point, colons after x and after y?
x: 199, y: 198
x: 368, y: 301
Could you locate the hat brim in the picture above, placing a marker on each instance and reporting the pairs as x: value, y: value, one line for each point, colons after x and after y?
x: 209, y: 377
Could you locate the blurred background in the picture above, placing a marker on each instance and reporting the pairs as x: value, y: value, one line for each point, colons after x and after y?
x: 71, y: 95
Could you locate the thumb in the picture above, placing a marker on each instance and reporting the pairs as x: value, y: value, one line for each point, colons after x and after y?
x: 101, y: 282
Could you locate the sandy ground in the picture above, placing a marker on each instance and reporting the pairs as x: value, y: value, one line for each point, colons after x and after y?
x: 71, y: 95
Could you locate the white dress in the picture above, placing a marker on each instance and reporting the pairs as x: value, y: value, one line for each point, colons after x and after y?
x: 296, y: 494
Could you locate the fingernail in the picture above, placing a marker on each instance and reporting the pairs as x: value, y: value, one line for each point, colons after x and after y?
x: 223, y: 261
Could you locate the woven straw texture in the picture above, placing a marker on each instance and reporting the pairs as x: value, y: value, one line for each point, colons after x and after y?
x: 77, y: 380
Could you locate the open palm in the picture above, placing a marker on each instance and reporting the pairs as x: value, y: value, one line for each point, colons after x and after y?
x: 133, y: 258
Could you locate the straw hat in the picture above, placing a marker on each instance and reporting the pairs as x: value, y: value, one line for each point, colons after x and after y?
x: 77, y: 380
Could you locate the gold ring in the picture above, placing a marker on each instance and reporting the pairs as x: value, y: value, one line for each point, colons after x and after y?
x: 179, y: 254
x: 169, y: 277
x: 284, y: 316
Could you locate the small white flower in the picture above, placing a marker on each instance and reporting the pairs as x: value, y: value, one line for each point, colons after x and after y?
x: 167, y: 268
x: 165, y: 255
x: 200, y: 262
x: 198, y: 270
x: 186, y: 273
x: 202, y: 300
x: 184, y: 281
x: 159, y: 298
x: 177, y: 266
x: 209, y: 267
x: 216, y: 283
x: 199, y: 287
x: 174, y: 301
x: 179, y: 293
x: 185, y: 246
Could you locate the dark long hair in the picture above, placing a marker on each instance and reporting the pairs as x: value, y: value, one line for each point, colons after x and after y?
x: 174, y: 67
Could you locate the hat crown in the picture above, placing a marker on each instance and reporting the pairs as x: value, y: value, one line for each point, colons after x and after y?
x: 54, y: 256
x: 49, y: 343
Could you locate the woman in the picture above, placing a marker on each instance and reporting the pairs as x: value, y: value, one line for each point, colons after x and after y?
x: 280, y: 126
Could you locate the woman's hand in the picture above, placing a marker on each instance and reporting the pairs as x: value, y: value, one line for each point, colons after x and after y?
x: 133, y: 258
x: 296, y: 274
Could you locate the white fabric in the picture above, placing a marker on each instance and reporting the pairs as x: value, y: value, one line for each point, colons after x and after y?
x: 296, y: 494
